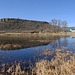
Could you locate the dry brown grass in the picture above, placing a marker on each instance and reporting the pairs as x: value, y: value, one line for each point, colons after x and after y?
x: 39, y: 34
x: 61, y: 65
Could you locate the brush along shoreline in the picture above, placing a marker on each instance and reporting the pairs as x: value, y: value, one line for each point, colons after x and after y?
x: 63, y: 63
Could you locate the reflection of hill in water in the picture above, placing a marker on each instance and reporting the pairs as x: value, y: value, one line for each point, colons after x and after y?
x: 12, y: 43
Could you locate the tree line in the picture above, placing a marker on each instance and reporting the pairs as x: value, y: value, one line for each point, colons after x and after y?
x: 58, y: 25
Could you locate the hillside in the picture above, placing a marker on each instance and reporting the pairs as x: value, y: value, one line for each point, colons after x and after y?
x: 19, y: 25
x: 68, y: 28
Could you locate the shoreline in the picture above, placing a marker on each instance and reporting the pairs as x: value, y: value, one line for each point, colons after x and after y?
x: 39, y: 34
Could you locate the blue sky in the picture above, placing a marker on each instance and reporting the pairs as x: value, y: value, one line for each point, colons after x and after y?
x: 40, y: 10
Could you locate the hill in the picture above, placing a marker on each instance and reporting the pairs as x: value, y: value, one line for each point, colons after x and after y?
x: 68, y: 28
x: 19, y: 25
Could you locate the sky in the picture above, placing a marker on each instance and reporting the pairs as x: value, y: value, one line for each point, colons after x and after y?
x: 39, y: 10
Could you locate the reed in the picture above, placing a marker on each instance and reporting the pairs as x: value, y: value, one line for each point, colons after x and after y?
x: 61, y: 64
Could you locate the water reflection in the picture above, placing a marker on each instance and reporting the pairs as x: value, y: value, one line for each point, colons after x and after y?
x: 13, y: 43
x: 72, y: 36
x: 34, y: 53
x: 62, y: 42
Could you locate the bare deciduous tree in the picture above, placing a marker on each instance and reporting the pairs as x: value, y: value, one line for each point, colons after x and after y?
x: 59, y: 25
x: 54, y: 25
x: 64, y: 25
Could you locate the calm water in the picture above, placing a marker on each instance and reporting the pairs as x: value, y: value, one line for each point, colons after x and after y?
x: 31, y: 54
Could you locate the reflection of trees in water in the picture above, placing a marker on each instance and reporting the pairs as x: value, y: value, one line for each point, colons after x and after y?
x: 60, y: 42
x: 55, y: 43
x: 65, y: 42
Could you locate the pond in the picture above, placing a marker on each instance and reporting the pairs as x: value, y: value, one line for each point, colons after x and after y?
x: 33, y: 48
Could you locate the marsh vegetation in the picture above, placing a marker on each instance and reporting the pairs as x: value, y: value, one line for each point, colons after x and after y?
x: 61, y: 64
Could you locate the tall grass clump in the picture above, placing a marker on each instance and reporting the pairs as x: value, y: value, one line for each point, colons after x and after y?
x: 60, y: 65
